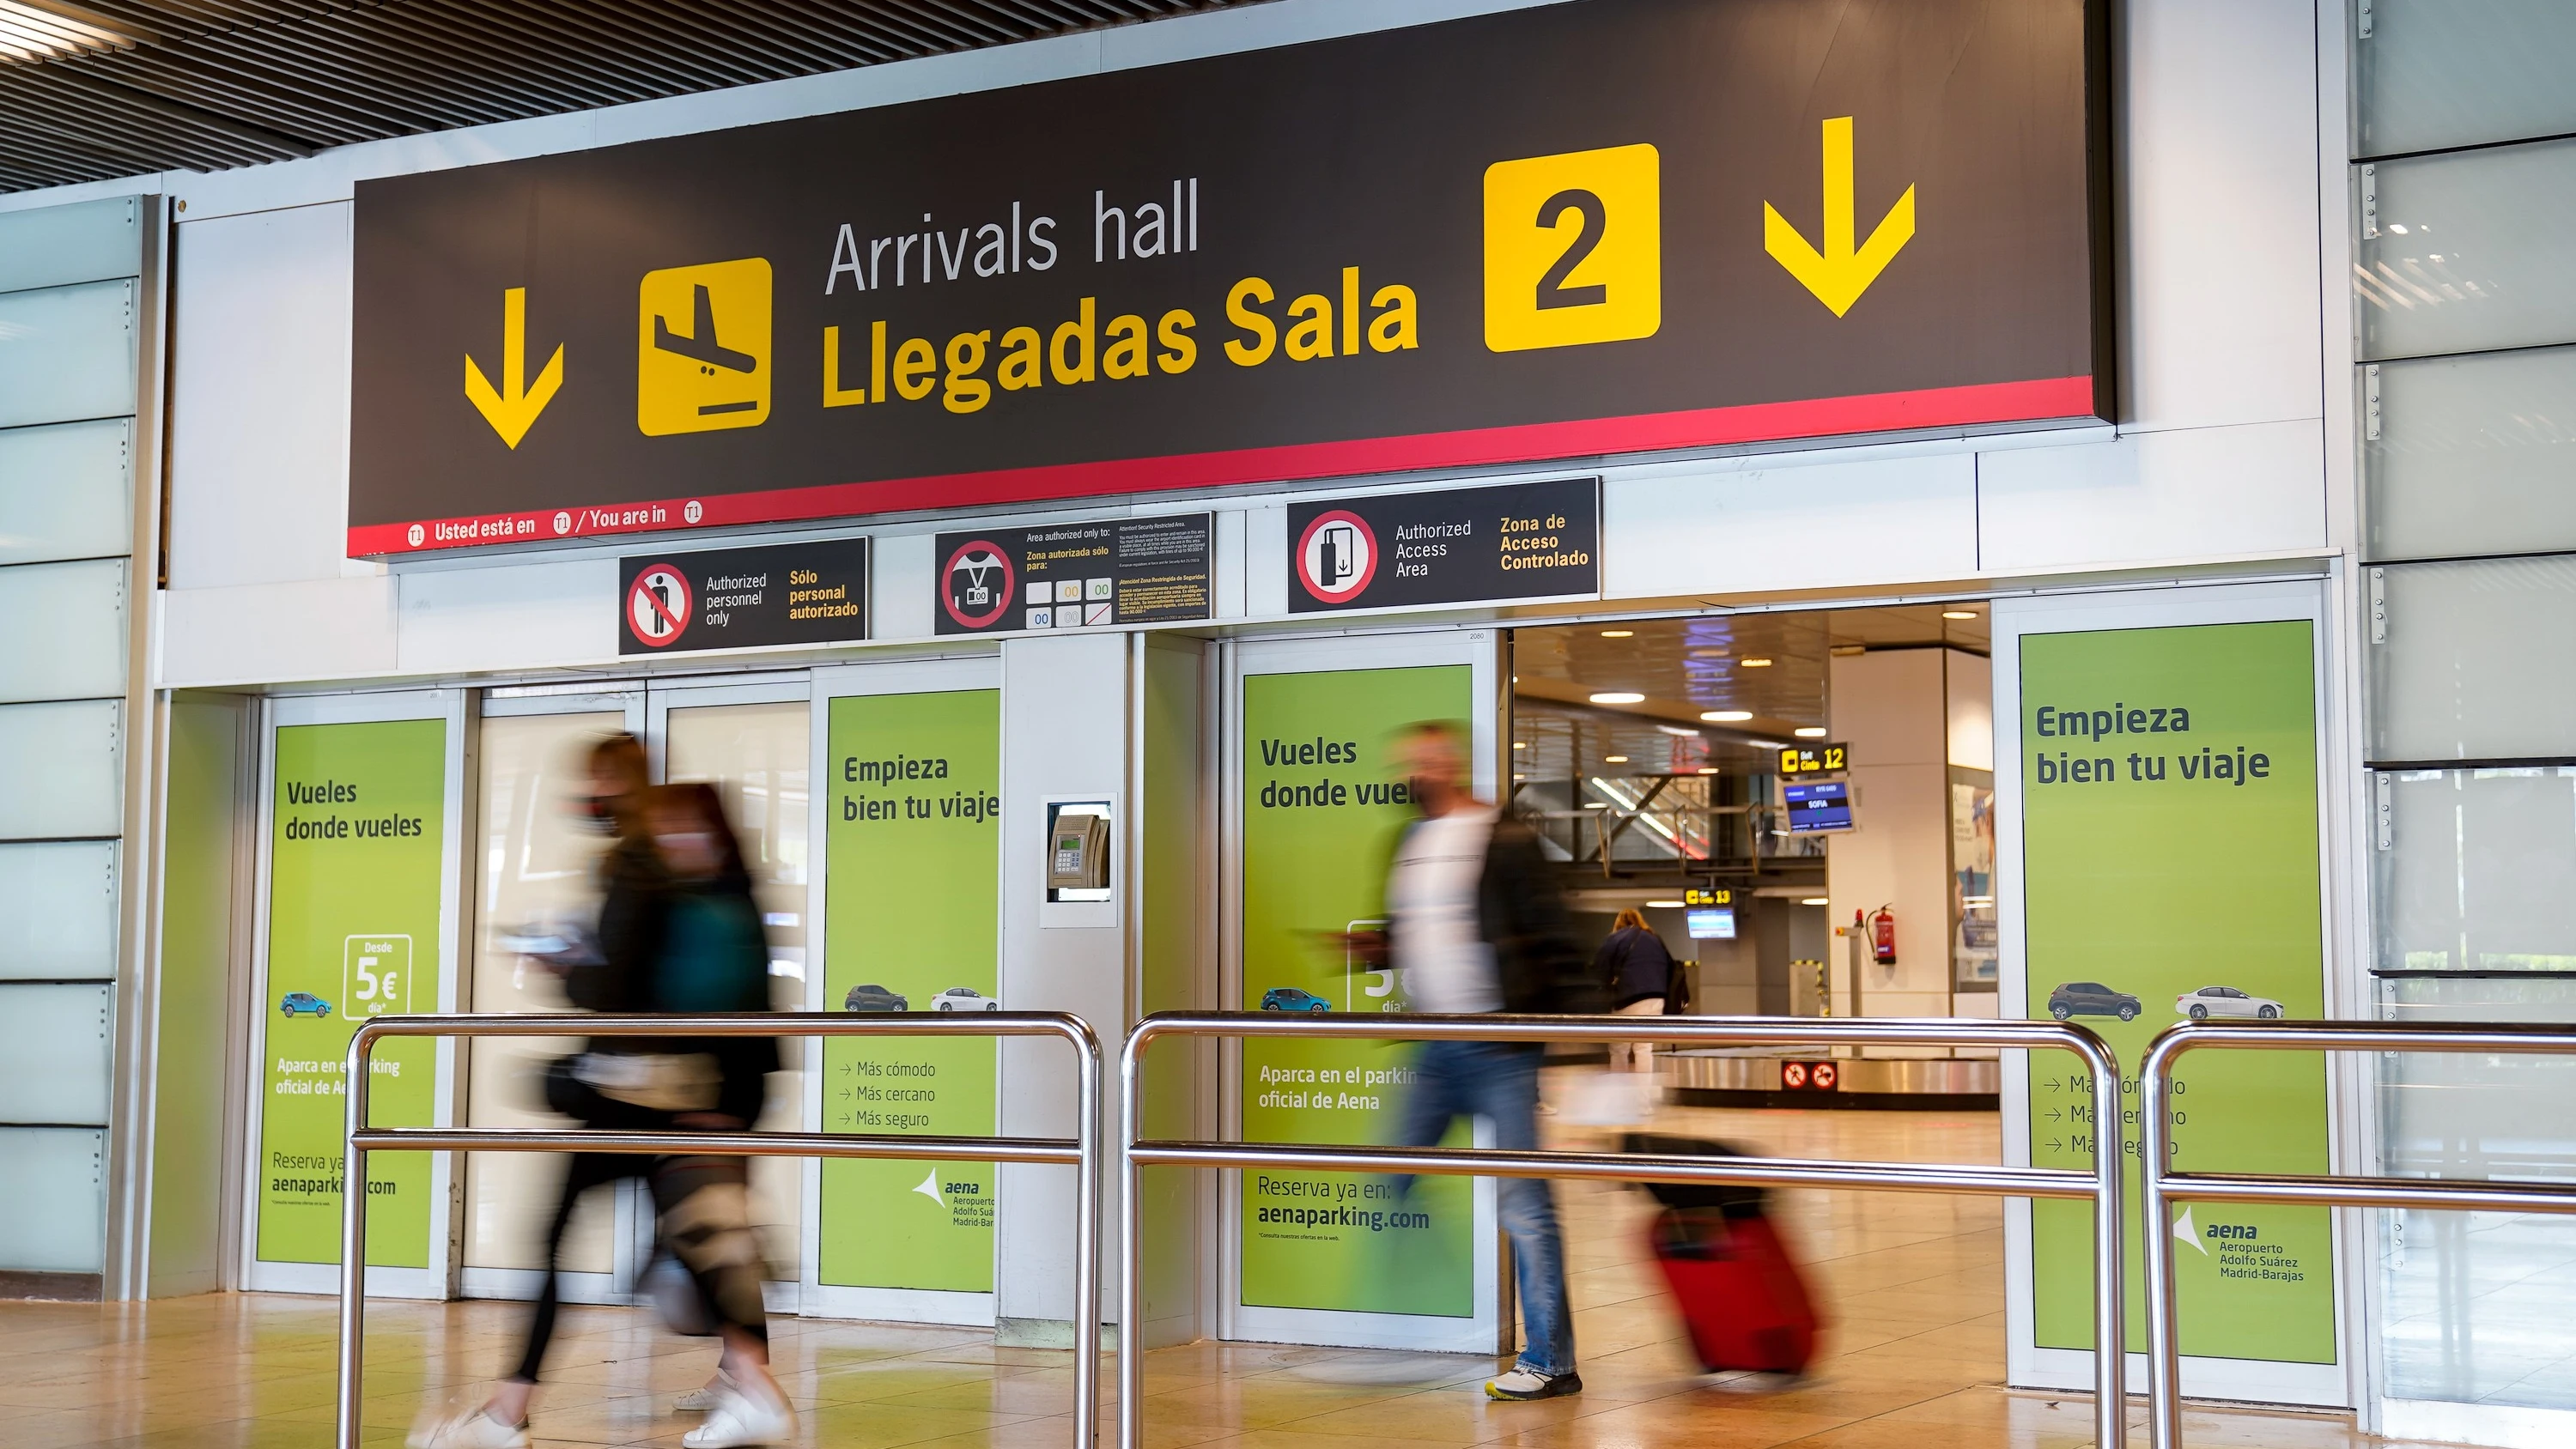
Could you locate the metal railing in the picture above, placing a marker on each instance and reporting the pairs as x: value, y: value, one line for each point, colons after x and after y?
x: 1081, y: 1151
x: 2101, y: 1186
x: 2161, y: 1187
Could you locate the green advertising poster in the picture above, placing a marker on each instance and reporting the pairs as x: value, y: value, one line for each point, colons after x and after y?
x: 914, y: 899
x: 2169, y: 787
x: 353, y: 932
x: 1320, y: 812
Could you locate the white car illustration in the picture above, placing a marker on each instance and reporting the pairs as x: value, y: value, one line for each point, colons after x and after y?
x: 963, y: 998
x: 2211, y: 1001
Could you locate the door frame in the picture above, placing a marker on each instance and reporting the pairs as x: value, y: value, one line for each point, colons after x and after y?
x: 454, y: 707
x: 1481, y: 648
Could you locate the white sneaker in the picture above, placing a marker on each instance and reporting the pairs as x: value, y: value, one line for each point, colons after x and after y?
x: 740, y: 1419
x: 472, y: 1429
x: 1529, y: 1383
x: 704, y: 1400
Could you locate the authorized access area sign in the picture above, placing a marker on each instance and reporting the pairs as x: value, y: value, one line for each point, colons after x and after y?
x: 1521, y: 541
x: 1566, y: 231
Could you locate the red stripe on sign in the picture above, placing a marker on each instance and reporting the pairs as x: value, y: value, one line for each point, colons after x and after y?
x: 2043, y: 400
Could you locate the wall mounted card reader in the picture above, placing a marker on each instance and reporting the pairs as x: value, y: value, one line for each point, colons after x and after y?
x: 1078, y: 852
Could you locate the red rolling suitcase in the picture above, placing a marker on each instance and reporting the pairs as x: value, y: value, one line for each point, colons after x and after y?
x: 1745, y: 1304
x: 1743, y: 1298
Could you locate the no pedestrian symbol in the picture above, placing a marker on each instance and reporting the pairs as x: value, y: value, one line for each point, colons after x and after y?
x: 657, y: 607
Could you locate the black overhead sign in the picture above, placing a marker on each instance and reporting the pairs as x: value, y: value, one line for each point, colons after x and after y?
x: 1559, y: 232
x: 737, y: 598
x: 1074, y: 575
x: 1522, y: 541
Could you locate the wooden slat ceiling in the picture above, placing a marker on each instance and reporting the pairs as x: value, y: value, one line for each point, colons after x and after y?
x: 111, y: 88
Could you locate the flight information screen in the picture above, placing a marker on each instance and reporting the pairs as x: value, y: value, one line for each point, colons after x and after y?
x: 1822, y: 805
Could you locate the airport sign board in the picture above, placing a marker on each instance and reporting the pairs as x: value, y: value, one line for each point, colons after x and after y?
x: 1566, y: 232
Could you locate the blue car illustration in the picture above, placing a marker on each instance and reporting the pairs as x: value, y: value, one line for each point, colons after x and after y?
x: 1289, y: 998
x: 303, y: 1003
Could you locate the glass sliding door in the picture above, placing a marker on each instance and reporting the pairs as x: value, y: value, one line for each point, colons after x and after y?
x: 753, y: 743
x: 536, y: 860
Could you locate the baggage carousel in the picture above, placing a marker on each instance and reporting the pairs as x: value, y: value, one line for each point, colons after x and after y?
x: 1923, y: 1081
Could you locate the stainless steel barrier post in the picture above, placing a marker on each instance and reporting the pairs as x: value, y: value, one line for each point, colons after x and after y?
x: 1081, y: 1151
x: 2161, y: 1187
x: 2101, y: 1186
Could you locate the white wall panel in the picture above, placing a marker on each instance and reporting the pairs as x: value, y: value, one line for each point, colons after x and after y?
x: 66, y: 491
x: 56, y: 1070
x: 259, y: 414
x: 76, y: 787
x: 64, y: 636
x: 2220, y: 316
x: 2150, y: 497
x: 59, y: 245
x: 903, y: 587
x: 67, y: 353
x: 324, y: 629
x: 58, y: 910
x: 53, y: 1218
x: 1735, y: 530
x: 510, y: 616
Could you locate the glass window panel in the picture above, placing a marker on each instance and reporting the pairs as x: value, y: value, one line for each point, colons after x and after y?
x: 80, y: 791
x: 54, y: 1068
x: 53, y: 1218
x: 58, y: 910
x: 2479, y: 663
x: 539, y: 868
x: 2437, y: 73
x: 83, y: 242
x: 2471, y: 253
x: 66, y: 633
x: 2476, y: 1307
x: 2474, y: 455
x: 755, y: 755
x: 67, y: 353
x: 66, y: 491
x: 2481, y: 870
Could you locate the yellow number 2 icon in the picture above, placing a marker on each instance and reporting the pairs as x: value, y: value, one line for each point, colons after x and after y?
x: 1573, y: 249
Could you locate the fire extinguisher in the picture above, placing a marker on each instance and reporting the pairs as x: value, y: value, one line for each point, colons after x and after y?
x: 1882, y: 936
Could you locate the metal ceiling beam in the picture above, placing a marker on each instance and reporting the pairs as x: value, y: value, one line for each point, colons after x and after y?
x: 210, y: 84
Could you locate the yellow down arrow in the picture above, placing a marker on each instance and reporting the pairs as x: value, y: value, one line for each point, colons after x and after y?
x: 1839, y: 273
x: 513, y: 408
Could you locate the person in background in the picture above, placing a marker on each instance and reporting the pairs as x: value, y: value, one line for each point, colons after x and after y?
x: 1639, y: 973
x: 1475, y: 924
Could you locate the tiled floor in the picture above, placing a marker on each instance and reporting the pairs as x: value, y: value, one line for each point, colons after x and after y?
x: 1914, y: 1287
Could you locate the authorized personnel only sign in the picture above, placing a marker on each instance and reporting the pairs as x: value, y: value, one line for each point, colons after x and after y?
x: 1567, y: 231
x: 738, y: 598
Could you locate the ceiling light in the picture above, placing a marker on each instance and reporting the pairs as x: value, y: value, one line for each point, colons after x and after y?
x: 1520, y: 777
x: 1520, y: 744
x: 1594, y: 805
x: 1814, y: 901
x: 1755, y: 663
x: 1679, y: 731
x: 1618, y: 696
x: 1811, y: 732
x: 1708, y: 654
x: 1726, y: 716
x: 1618, y: 633
x: 47, y: 31
x: 1663, y: 905
x: 1614, y: 759
x: 1958, y: 613
x: 1708, y: 769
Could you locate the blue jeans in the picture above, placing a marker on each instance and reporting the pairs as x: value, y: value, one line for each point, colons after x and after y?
x: 1499, y: 1081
